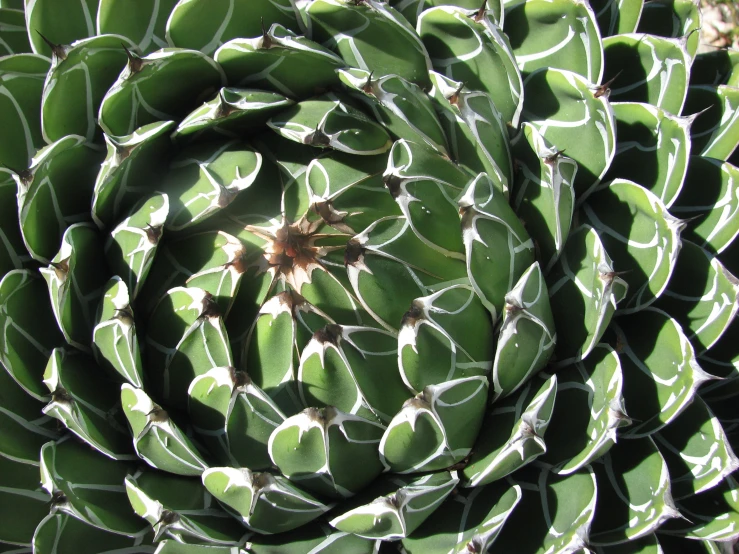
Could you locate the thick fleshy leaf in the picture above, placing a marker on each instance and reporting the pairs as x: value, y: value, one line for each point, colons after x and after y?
x: 696, y: 450
x: 13, y: 253
x: 466, y: 45
x: 59, y: 21
x: 633, y: 493
x: 205, y: 178
x: 13, y: 34
x: 318, y: 450
x: 584, y: 290
x: 75, y: 277
x: 86, y: 402
x: 647, y: 68
x: 144, y: 26
x: 22, y: 83
x: 555, y: 513
x: 265, y: 503
x: 444, y: 336
x: 279, y: 61
x: 203, y: 25
x: 80, y: 75
x: 354, y: 369
x: 186, y: 338
x: 180, y: 508
x: 587, y: 412
x: 573, y: 44
x: 477, y: 134
x: 715, y: 67
x: 55, y: 193
x: 61, y: 532
x: 164, y: 85
x: 89, y: 487
x: 616, y: 17
x: 28, y: 331
x: 653, y: 149
x: 469, y: 520
x: 23, y: 427
x: 233, y: 417
x: 701, y: 295
x: 115, y: 343
x: 512, y: 433
x: 489, y: 225
x: 710, y: 515
x: 574, y: 116
x: 675, y: 19
x: 437, y: 428
x: 354, y: 31
x: 395, y: 506
x: 641, y: 237
x: 709, y: 201
x: 660, y: 370
x: 715, y: 132
x: 130, y: 171
x: 23, y: 503
x: 157, y: 439
x: 527, y: 335
x: 543, y: 195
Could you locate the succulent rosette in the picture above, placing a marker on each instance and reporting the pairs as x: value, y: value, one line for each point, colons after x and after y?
x: 351, y: 276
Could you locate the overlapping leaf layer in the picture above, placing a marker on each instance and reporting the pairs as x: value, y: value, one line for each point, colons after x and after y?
x: 351, y: 276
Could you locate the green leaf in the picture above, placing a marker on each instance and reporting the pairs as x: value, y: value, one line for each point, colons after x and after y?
x: 574, y: 116
x: 630, y: 476
x: 55, y: 193
x: 641, y: 237
x: 80, y: 76
x: 437, y: 428
x: 470, y: 519
x: 715, y: 132
x: 673, y: 18
x: 490, y: 225
x: 164, y: 85
x: 584, y: 290
x: 75, y: 277
x: 13, y: 253
x: 23, y: 427
x: 512, y: 433
x: 279, y: 61
x: 60, y: 21
x: 527, y: 334
x: 709, y: 202
x: 180, y: 508
x: 29, y: 332
x: 86, y: 402
x: 157, y: 439
x: 653, y: 149
x: 660, y: 370
x: 89, y: 487
x: 23, y: 503
x: 204, y: 25
x: 617, y: 17
x: 647, y: 68
x: 233, y: 417
x: 587, y: 413
x: 572, y: 44
x: 554, y: 515
x: 22, y: 84
x: 354, y: 30
x: 265, y: 503
x: 696, y: 450
x: 13, y: 34
x: 144, y: 26
x: 701, y: 295
x: 467, y: 46
x: 444, y: 336
x: 318, y: 449
x: 395, y: 506
x: 715, y: 67
x: 132, y: 167
x: 543, y: 193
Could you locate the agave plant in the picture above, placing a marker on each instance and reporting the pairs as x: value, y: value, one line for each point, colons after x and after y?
x: 350, y: 276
